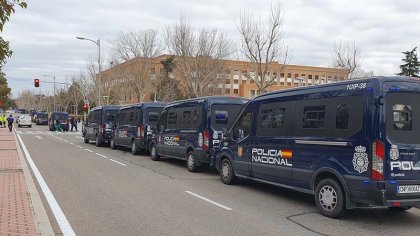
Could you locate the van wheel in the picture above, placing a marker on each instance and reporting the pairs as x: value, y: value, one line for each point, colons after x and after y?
x: 191, y: 162
x: 226, y: 172
x: 134, y: 149
x: 399, y: 208
x: 153, y: 153
x: 112, y: 144
x: 329, y: 198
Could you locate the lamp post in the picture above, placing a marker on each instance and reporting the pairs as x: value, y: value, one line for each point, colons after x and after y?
x: 52, y: 76
x: 98, y: 43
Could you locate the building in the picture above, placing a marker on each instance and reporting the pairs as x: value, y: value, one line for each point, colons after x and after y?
x: 237, y: 79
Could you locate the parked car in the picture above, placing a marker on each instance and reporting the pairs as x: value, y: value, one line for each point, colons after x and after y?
x: 25, y: 120
x: 99, y: 123
x: 134, y: 126
x: 351, y: 144
x: 62, y: 117
x: 192, y: 129
x: 41, y: 118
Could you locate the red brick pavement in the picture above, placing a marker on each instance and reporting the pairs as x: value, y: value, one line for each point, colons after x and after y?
x: 16, y: 216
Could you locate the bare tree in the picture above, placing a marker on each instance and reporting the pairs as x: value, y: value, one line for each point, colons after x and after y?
x: 346, y: 55
x: 138, y: 77
x: 198, y: 57
x: 144, y: 43
x: 263, y: 45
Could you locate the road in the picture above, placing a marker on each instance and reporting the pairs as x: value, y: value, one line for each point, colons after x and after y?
x: 111, y: 192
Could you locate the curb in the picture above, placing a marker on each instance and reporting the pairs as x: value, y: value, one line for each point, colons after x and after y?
x: 41, y: 220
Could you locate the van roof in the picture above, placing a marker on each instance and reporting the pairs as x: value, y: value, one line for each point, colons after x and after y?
x: 146, y: 104
x: 378, y: 79
x: 60, y: 112
x: 111, y: 107
x: 211, y: 99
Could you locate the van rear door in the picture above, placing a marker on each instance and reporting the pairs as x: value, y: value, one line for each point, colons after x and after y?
x: 402, y: 149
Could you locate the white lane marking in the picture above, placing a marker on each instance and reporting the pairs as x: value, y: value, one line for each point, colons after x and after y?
x: 71, y: 143
x: 62, y: 221
x: 79, y: 146
x: 117, y: 162
x: 88, y: 150
x: 210, y: 201
x: 18, y: 132
x: 38, y: 137
x: 101, y: 155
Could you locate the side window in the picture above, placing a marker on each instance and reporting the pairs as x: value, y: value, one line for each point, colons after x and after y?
x: 153, y: 116
x: 313, y: 117
x: 172, y: 117
x: 196, y: 115
x: 402, y: 117
x: 342, y: 116
x: 242, y: 127
x: 131, y: 116
x: 276, y: 119
x: 272, y: 118
x: 221, y: 117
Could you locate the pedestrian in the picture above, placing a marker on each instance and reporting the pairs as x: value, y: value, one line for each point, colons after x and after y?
x: 75, y: 124
x: 58, y: 125
x: 71, y: 123
x: 10, y: 122
x: 2, y: 121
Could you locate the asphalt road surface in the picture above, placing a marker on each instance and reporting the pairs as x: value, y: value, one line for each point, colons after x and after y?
x: 111, y: 192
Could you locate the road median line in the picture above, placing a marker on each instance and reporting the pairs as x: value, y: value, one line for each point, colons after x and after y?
x: 117, y: 162
x: 208, y: 200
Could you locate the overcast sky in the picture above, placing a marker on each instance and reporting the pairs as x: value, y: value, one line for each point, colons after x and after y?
x: 43, y: 35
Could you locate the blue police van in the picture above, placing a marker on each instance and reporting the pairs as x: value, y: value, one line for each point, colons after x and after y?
x: 351, y: 144
x: 62, y: 117
x: 98, y: 125
x: 134, y: 126
x: 41, y: 118
x: 191, y: 129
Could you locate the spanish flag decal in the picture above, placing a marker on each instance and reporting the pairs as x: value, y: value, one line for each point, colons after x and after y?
x: 286, y: 153
x: 240, y: 150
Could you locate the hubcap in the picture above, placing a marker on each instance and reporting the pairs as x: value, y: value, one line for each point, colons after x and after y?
x: 112, y: 143
x: 191, y: 161
x: 153, y: 152
x: 225, y: 170
x: 133, y: 147
x: 328, y: 198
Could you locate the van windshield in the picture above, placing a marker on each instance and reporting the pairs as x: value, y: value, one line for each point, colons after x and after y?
x: 41, y: 115
x: 224, y: 115
x: 60, y: 117
x: 403, y: 112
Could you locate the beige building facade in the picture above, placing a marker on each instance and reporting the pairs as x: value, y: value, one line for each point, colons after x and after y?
x: 238, y: 78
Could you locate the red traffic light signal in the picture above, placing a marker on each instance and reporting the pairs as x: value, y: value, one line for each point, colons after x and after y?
x: 36, y: 83
x: 85, y: 106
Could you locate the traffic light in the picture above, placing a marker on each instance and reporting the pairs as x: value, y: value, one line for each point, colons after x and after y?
x: 85, y: 106
x: 36, y: 82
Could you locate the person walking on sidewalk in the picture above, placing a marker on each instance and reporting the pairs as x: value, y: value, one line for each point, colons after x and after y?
x: 10, y: 122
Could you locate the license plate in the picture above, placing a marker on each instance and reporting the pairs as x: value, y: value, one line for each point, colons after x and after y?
x: 408, y: 189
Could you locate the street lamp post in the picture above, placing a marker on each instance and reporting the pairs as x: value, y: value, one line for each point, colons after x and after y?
x: 98, y: 43
x: 52, y: 76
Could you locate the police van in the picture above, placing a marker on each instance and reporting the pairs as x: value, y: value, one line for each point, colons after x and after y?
x: 99, y: 123
x: 351, y: 144
x: 134, y: 126
x: 192, y: 129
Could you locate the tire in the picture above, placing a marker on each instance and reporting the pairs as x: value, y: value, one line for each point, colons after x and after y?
x: 86, y: 139
x: 329, y: 198
x: 400, y: 209
x: 153, y: 153
x: 18, y: 126
x: 227, y: 175
x: 134, y: 148
x: 97, y: 142
x: 192, y: 162
x: 30, y: 126
x: 112, y: 144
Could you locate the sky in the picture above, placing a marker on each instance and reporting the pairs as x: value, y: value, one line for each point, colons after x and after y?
x: 43, y: 36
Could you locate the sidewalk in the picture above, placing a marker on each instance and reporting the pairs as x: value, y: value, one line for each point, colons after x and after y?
x: 17, y: 216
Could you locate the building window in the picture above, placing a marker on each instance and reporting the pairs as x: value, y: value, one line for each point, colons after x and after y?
x: 227, y: 91
x: 296, y: 76
x: 244, y: 75
x: 227, y: 81
x: 289, y: 75
x: 152, y: 71
x: 236, y: 91
x: 309, y: 76
x: 236, y: 81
